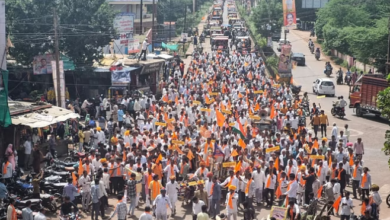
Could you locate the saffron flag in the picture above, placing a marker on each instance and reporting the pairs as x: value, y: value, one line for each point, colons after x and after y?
x: 241, y: 143
x: 220, y: 118
x: 81, y: 168
x: 239, y: 129
x: 159, y: 158
x: 336, y: 204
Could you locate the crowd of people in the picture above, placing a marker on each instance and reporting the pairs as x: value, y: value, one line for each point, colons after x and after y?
x: 224, y: 138
x: 205, y: 142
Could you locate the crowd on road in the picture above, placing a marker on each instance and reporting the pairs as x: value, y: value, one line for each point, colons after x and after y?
x: 224, y: 138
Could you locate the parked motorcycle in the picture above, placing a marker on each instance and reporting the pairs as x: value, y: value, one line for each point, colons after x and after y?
x: 74, y: 157
x: 20, y: 188
x: 48, y: 202
x: 337, y: 111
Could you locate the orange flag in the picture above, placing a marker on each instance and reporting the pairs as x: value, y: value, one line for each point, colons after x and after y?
x: 124, y: 156
x: 159, y: 158
x: 257, y: 107
x: 207, y: 99
x: 277, y: 163
x: 177, y: 100
x: 234, y: 153
x: 241, y: 143
x: 336, y: 204
x: 319, y: 192
x: 190, y: 155
x: 229, y: 105
x: 291, y: 80
x: 237, y: 167
x: 74, y: 179
x: 81, y: 168
x: 315, y: 144
x: 278, y: 192
x: 272, y: 115
x: 220, y: 118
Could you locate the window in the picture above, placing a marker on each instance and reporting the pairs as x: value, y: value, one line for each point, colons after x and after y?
x: 327, y: 83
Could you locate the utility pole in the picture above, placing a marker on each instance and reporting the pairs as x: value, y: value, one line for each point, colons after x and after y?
x: 185, y: 21
x: 154, y: 11
x: 3, y: 44
x: 57, y: 57
x: 388, y: 53
x: 170, y: 21
x: 193, y: 6
x: 140, y: 18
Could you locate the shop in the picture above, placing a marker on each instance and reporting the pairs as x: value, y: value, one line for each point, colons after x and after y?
x: 38, y: 120
x: 147, y: 78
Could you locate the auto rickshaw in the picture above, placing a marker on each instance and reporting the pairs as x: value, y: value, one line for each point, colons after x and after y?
x: 221, y: 44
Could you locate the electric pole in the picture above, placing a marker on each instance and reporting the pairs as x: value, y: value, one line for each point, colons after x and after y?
x: 170, y: 21
x: 154, y: 11
x: 3, y: 44
x: 57, y: 57
x: 193, y: 6
x: 184, y: 26
x: 140, y: 18
x: 388, y: 51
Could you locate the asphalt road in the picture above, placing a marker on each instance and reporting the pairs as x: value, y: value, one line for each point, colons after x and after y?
x: 370, y: 128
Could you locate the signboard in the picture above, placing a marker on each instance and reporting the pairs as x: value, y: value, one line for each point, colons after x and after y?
x: 279, y: 213
x: 124, y: 23
x: 160, y: 124
x: 42, y: 64
x: 184, y: 37
x: 120, y: 77
x: 229, y: 164
x: 150, y: 68
x: 284, y: 65
x: 133, y: 46
x: 317, y: 157
x: 62, y: 82
x: 314, y: 3
x: 289, y: 14
x: 272, y: 149
x: 40, y: 117
x: 124, y: 38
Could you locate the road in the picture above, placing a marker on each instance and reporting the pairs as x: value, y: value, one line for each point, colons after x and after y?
x: 370, y: 128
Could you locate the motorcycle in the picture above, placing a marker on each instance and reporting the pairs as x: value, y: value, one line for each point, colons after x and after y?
x: 317, y: 55
x: 20, y: 188
x: 311, y: 49
x: 296, y: 89
x: 339, y: 79
x: 48, y: 202
x: 74, y: 157
x: 328, y: 72
x: 337, y: 111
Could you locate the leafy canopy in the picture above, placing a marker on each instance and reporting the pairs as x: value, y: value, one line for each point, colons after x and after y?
x: 84, y: 27
x: 357, y: 28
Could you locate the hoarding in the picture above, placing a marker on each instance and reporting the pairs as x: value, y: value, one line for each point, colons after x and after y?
x: 120, y: 77
x: 42, y: 64
x: 124, y: 23
x: 133, y: 46
x: 285, y: 59
x: 289, y: 14
x: 314, y: 3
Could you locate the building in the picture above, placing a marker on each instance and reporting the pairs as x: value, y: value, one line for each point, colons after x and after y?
x: 134, y: 6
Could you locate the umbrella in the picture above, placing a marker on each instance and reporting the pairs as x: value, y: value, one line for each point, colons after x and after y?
x: 226, y: 25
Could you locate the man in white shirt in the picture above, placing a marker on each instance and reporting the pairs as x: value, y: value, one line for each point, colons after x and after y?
x: 7, y: 172
x: 27, y: 213
x: 292, y: 210
x: 270, y: 188
x: 259, y: 178
x: 27, y: 154
x: 292, y: 188
x: 40, y: 215
x: 161, y: 203
x: 346, y: 206
x: 172, y: 189
x: 231, y: 203
x: 171, y: 170
x: 196, y: 207
x: 231, y: 180
x: 85, y: 183
x: 143, y: 52
x: 103, y: 196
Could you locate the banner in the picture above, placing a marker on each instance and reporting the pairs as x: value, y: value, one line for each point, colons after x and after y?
x: 289, y: 14
x: 285, y: 59
x: 133, y: 46
x: 124, y: 23
x: 120, y: 77
x: 5, y: 116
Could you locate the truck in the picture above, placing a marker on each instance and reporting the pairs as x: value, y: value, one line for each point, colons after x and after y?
x: 363, y: 94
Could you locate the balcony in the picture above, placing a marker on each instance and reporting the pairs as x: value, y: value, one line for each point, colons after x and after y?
x: 145, y: 18
x: 131, y: 2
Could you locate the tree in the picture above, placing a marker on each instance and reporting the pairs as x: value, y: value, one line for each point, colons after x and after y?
x: 85, y: 27
x: 383, y: 103
x: 357, y: 28
x: 267, y: 12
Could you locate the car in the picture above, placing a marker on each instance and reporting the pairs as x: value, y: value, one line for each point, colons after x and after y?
x: 299, y: 58
x: 276, y: 35
x: 324, y: 86
x: 281, y: 42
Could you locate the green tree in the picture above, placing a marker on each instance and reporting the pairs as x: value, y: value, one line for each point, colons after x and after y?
x: 267, y: 12
x: 383, y: 103
x: 85, y: 27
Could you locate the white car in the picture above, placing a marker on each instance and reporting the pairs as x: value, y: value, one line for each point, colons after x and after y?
x: 281, y: 42
x: 324, y: 86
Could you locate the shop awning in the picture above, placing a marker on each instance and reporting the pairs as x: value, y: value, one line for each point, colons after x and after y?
x: 42, y: 117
